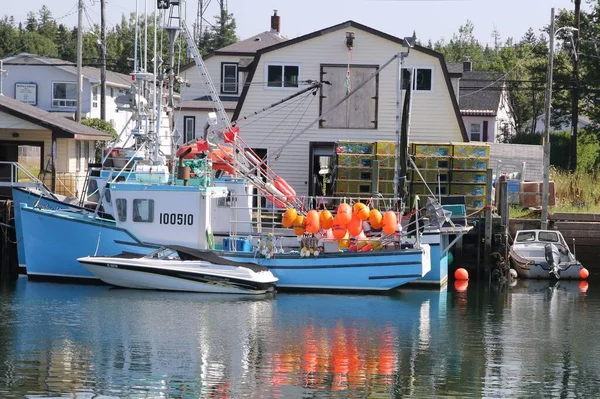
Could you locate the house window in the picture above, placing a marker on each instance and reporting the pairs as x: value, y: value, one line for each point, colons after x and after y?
x: 189, y: 128
x: 283, y: 75
x: 143, y: 210
x: 422, y: 79
x: 64, y: 95
x: 475, y: 131
x: 359, y: 111
x: 229, y: 78
x: 95, y: 97
x: 121, y: 209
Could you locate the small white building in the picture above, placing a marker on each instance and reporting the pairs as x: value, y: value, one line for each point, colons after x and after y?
x: 51, y: 147
x: 296, y: 136
x: 485, y: 105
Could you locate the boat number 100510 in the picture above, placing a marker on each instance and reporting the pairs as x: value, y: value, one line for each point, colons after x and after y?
x: 184, y: 219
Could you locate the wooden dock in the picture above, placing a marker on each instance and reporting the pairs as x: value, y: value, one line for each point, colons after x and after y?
x: 581, y: 231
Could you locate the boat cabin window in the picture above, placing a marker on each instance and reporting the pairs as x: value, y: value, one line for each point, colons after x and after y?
x: 121, y: 209
x: 548, y: 236
x: 164, y: 253
x: 143, y: 210
x: 526, y: 236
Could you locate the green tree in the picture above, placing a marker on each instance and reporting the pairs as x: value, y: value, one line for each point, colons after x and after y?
x: 31, y: 25
x: 220, y: 35
x: 103, y: 126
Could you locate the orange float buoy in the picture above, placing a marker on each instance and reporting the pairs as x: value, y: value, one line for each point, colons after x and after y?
x: 299, y: 226
x: 289, y: 217
x: 389, y: 222
x: 461, y: 274
x: 326, y: 219
x: 584, y: 273
x: 375, y: 218
x: 355, y: 226
x: 361, y: 211
x: 339, y: 230
x: 583, y: 286
x: 311, y: 221
x: 344, y: 214
x: 461, y: 285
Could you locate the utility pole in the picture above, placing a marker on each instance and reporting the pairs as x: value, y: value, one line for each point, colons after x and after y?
x: 575, y: 91
x: 3, y: 73
x: 79, y: 60
x: 103, y: 60
x: 546, y: 184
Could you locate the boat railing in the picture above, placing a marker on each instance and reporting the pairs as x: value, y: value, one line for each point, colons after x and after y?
x: 21, y: 177
x: 266, y: 216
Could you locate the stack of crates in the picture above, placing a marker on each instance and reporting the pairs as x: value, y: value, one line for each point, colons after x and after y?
x: 469, y: 165
x: 386, y: 156
x: 354, y: 167
x: 433, y: 163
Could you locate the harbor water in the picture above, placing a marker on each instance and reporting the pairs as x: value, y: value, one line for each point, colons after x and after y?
x: 76, y: 341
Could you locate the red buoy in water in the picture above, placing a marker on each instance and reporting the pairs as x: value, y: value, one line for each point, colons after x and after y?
x: 461, y: 274
x: 461, y: 285
x: 584, y: 273
x: 583, y: 286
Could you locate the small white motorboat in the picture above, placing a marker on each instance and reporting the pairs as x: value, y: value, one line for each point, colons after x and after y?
x: 177, y: 268
x: 544, y: 254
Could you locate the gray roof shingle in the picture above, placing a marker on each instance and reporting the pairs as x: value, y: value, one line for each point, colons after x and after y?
x: 56, y: 122
x: 481, y: 91
x: 112, y: 78
x: 254, y: 43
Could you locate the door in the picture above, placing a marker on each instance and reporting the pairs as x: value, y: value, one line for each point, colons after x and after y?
x: 321, y: 169
x: 261, y: 153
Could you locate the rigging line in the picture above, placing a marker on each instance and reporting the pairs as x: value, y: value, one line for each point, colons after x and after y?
x: 270, y: 112
x: 283, y: 119
x: 278, y: 152
x: 302, y: 116
x: 277, y: 138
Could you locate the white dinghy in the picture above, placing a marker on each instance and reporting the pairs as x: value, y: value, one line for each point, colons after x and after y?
x: 177, y: 268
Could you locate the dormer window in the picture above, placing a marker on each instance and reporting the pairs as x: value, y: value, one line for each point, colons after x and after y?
x: 229, y: 78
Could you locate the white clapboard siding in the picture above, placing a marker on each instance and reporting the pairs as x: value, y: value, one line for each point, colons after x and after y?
x: 213, y: 65
x: 433, y: 117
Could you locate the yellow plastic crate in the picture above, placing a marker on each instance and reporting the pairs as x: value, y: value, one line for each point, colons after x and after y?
x: 469, y: 177
x: 355, y: 161
x: 433, y: 162
x: 475, y: 201
x: 386, y: 148
x: 432, y: 150
x: 430, y: 176
x: 470, y: 163
x: 354, y: 174
x: 467, y: 189
x: 386, y: 174
x: 354, y: 147
x: 467, y: 150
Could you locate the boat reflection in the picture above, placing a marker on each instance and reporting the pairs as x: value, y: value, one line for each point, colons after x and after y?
x: 69, y: 339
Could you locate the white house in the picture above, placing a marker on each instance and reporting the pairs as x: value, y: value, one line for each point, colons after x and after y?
x: 51, y: 84
x: 344, y: 56
x: 566, y: 126
x: 228, y: 68
x: 485, y: 105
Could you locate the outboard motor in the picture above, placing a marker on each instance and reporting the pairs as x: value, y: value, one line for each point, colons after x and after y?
x: 552, y: 256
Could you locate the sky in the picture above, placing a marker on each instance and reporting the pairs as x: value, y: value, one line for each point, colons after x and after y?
x: 430, y: 19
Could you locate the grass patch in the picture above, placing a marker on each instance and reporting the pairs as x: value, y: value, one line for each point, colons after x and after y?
x: 577, y: 192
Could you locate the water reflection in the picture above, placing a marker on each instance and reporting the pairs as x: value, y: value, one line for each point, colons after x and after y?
x: 529, y: 340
